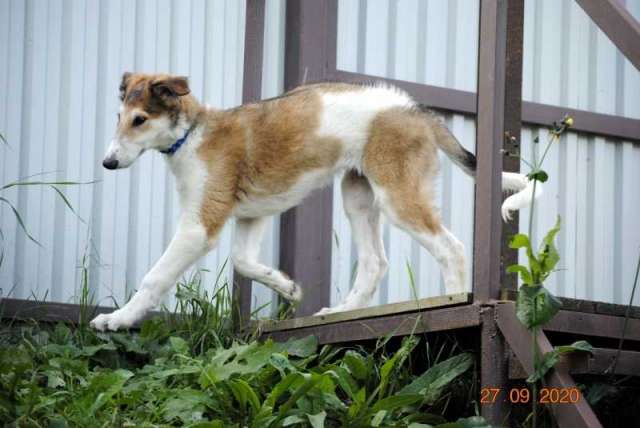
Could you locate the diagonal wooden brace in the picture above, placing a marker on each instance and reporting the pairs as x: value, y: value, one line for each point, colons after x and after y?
x: 519, y: 339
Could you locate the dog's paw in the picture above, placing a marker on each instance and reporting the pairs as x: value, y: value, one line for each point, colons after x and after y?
x: 328, y: 311
x: 295, y: 294
x: 114, y: 321
x: 506, y: 213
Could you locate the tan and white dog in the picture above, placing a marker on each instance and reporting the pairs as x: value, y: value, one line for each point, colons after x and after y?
x: 263, y: 158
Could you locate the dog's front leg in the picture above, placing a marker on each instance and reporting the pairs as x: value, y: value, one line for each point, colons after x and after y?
x: 187, y: 246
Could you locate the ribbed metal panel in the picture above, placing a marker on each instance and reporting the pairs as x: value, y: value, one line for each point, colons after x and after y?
x: 567, y: 61
x: 61, y: 64
x: 61, y: 67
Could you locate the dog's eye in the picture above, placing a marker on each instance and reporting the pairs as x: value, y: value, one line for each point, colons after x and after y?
x: 139, y: 120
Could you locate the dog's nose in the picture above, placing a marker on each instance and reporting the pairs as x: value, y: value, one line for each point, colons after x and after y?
x: 110, y: 163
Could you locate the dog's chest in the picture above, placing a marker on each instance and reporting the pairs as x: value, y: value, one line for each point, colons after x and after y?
x: 264, y: 204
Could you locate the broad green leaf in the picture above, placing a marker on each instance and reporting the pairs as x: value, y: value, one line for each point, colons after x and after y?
x: 538, y: 175
x: 547, y: 362
x: 293, y: 419
x: 317, y: 420
x: 356, y: 364
x: 535, y: 305
x: 548, y: 255
x: 378, y: 417
x: 310, y: 380
x: 579, y: 346
x: 525, y: 275
x: 433, y: 382
x: 186, y: 405
x: 519, y: 240
x: 472, y: 422
x: 207, y: 424
x: 395, y: 402
x: 343, y: 378
x: 550, y: 359
x: 301, y: 347
x: 104, y: 386
x: 179, y: 345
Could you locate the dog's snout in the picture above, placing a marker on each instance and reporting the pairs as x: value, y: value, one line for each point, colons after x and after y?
x: 110, y: 163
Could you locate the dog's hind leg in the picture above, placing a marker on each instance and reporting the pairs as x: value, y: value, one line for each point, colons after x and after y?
x: 246, y: 249
x: 410, y: 209
x: 364, y: 218
x: 190, y: 242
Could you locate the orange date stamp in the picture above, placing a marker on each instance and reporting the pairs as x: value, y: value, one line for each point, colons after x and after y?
x: 523, y: 395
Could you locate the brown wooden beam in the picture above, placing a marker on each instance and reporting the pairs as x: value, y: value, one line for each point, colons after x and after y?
x: 599, y: 362
x: 453, y: 318
x: 22, y: 309
x: 536, y: 114
x: 613, y: 18
x: 305, y: 231
x: 436, y: 97
x: 519, y: 340
x: 251, y: 91
x: 489, y: 137
x: 490, y: 122
x: 597, y: 325
x: 512, y: 129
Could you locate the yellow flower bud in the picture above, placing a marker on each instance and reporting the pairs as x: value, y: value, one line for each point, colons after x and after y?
x: 568, y: 121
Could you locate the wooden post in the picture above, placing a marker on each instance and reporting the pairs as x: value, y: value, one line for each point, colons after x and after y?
x: 490, y: 134
x: 251, y: 91
x: 512, y: 129
x: 306, y: 230
x: 488, y: 222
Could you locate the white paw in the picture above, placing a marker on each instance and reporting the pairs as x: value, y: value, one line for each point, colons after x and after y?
x: 335, y: 309
x: 295, y: 294
x: 506, y: 213
x: 113, y: 321
x: 325, y: 311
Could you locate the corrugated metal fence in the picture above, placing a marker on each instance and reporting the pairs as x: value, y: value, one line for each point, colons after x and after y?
x: 568, y: 61
x: 62, y: 61
x: 61, y: 65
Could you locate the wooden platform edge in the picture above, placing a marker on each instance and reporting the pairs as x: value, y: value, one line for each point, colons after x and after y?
x: 372, y: 312
x: 404, y: 324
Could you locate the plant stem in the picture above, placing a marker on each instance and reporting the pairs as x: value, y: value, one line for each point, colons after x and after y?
x: 626, y: 318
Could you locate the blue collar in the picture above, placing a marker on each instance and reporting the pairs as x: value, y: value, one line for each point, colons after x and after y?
x: 175, y: 146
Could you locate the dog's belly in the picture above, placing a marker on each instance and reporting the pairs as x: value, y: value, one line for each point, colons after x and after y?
x: 265, y: 205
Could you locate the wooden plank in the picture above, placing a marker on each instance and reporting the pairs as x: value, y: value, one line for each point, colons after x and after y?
x: 490, y: 128
x: 464, y: 102
x: 598, y: 363
x: 251, y: 91
x: 597, y: 325
x: 512, y: 129
x: 21, y: 309
x: 613, y: 18
x: 493, y: 367
x: 372, y: 312
x: 305, y: 231
x: 441, y: 319
x: 519, y: 340
x: 490, y: 134
x: 435, y: 97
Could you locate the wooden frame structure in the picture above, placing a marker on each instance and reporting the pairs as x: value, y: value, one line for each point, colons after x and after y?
x: 305, y: 253
x: 310, y: 55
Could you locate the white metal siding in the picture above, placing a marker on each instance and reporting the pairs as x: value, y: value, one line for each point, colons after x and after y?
x: 65, y: 58
x: 567, y: 61
x: 60, y: 67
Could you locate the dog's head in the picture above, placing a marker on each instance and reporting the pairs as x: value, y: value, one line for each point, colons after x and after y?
x: 150, y: 116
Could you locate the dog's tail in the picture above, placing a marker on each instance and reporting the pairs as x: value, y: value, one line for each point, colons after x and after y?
x: 511, y: 181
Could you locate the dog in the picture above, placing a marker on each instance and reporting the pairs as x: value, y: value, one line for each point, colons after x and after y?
x: 263, y: 158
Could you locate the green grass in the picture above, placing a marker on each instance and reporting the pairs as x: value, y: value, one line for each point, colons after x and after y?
x: 189, y: 368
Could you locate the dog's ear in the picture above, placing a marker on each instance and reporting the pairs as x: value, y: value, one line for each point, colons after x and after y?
x: 124, y: 83
x: 171, y: 87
